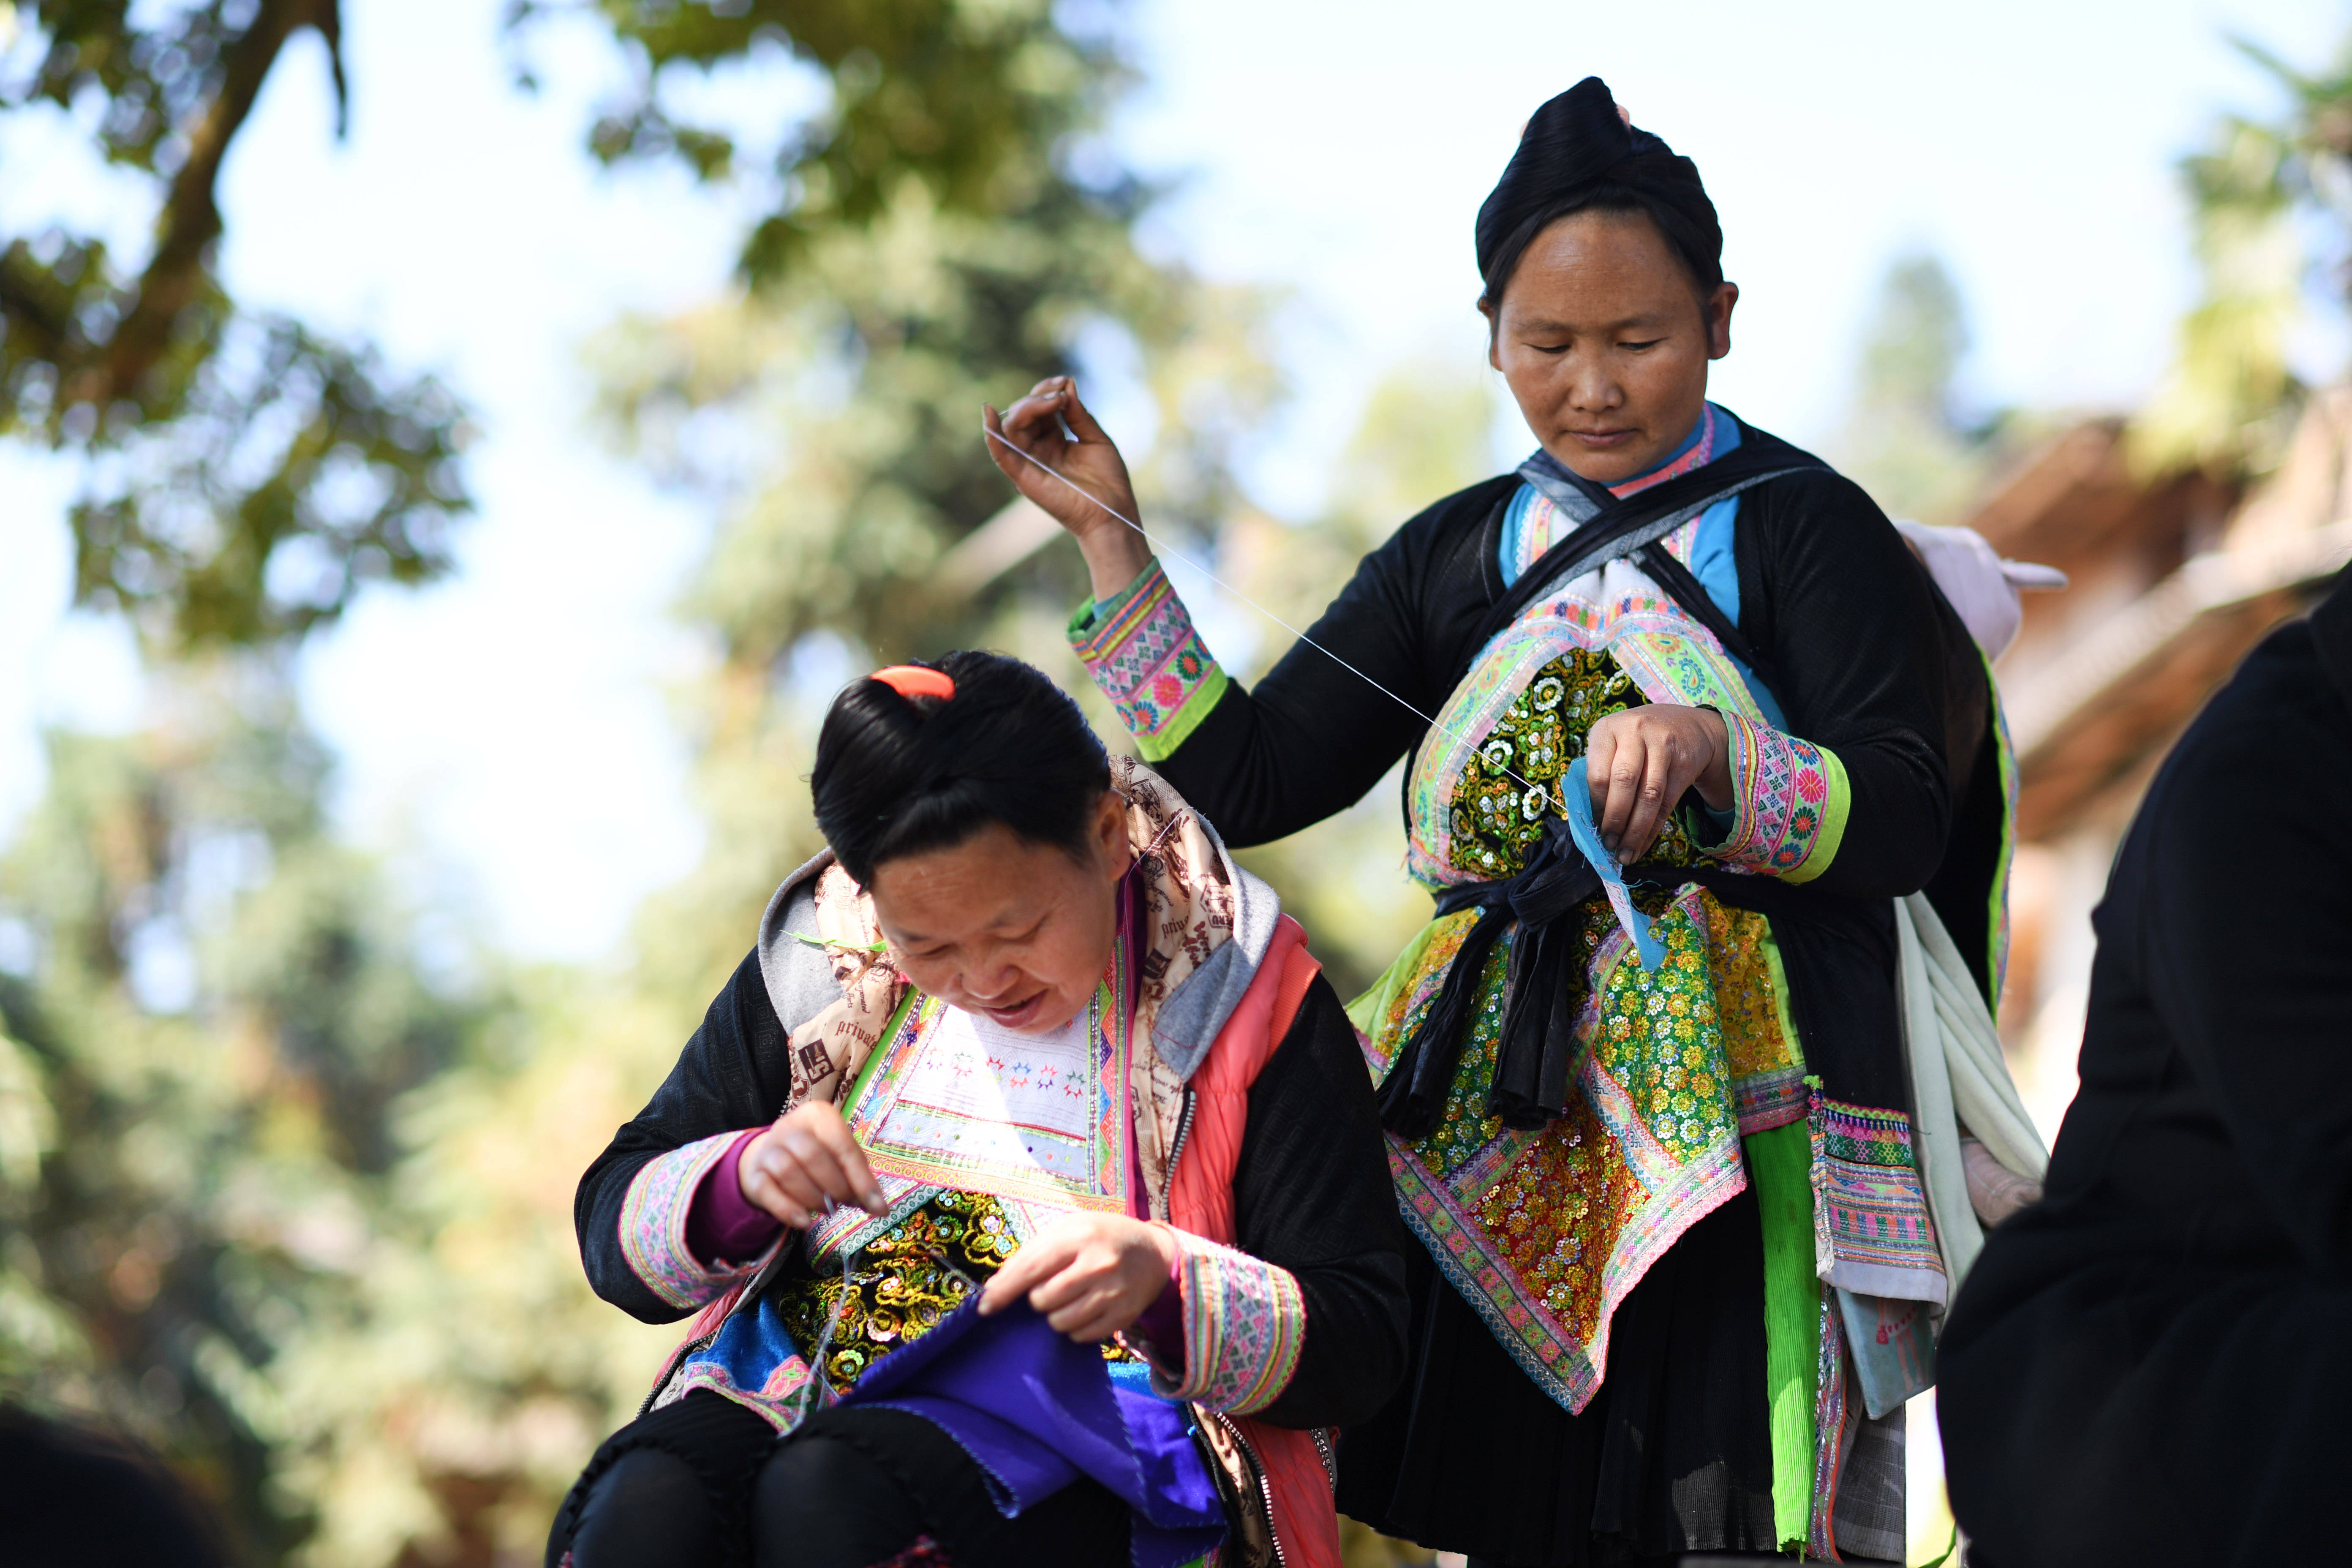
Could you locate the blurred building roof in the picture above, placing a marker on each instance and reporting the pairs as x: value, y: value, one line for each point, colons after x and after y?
x: 2173, y: 581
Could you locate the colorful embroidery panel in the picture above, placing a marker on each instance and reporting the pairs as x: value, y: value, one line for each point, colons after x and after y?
x: 939, y: 1105
x: 902, y: 1283
x: 1244, y: 1324
x: 1871, y: 1234
x: 1791, y: 799
x: 1545, y: 1233
x: 653, y: 1226
x: 1607, y: 656
x: 1150, y: 663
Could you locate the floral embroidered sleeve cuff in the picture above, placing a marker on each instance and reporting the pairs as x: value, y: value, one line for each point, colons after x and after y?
x: 654, y: 1219
x: 1789, y: 799
x: 1141, y: 649
x: 1244, y: 1324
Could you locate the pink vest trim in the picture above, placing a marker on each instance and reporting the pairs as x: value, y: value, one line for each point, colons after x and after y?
x: 1200, y: 1200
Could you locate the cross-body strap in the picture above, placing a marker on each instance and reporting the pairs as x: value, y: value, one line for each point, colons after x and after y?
x: 1622, y: 527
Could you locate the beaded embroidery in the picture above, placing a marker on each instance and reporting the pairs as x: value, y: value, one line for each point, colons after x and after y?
x: 1544, y: 1232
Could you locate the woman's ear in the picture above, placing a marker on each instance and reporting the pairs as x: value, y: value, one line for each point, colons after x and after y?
x: 1718, y: 319
x: 1110, y: 835
x: 1494, y: 333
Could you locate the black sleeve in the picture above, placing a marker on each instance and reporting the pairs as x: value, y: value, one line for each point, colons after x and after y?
x: 1312, y: 1194
x: 1865, y: 662
x: 2241, y: 937
x: 1312, y: 737
x: 734, y: 1074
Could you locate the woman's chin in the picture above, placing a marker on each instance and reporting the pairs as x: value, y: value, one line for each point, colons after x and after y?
x: 1040, y: 1014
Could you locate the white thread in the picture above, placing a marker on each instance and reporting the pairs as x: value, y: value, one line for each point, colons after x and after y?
x: 1182, y: 561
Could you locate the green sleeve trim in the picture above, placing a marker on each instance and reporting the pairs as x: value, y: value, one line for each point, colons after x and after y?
x: 1834, y: 810
x: 1094, y: 612
x: 1159, y: 746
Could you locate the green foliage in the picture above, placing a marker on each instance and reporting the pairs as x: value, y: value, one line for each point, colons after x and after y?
x: 1903, y: 441
x: 967, y: 99
x: 1423, y: 434
x: 204, y: 1052
x: 246, y: 477
x: 2271, y: 205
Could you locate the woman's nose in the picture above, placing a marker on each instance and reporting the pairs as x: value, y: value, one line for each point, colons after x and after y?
x: 989, y: 980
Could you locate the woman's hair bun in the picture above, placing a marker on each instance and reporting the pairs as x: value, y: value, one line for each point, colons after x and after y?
x: 896, y: 775
x: 1579, y: 151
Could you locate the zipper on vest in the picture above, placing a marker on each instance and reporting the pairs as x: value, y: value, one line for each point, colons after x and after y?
x: 1330, y: 1459
x: 1265, y: 1481
x: 1183, y: 1129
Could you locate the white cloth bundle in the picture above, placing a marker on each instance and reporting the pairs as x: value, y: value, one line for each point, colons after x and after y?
x: 1960, y: 1080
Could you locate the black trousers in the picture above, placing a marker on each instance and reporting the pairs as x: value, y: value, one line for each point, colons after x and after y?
x: 707, y: 1482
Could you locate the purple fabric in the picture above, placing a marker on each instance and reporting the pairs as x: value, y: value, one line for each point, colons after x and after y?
x: 721, y: 1225
x: 1036, y: 1411
x: 1162, y: 1326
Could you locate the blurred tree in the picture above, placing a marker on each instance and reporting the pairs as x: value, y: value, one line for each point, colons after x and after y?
x: 207, y: 1015
x: 2270, y: 210
x: 1424, y: 434
x: 1904, y: 439
x: 951, y: 229
x: 245, y: 475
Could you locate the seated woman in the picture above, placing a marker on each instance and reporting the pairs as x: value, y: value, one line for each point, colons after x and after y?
x: 2149, y: 1366
x: 1055, y: 1074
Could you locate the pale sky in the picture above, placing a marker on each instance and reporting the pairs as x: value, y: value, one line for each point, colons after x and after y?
x: 507, y: 732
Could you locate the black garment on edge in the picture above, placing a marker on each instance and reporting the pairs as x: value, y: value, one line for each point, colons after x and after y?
x: 1869, y: 661
x: 2150, y: 1365
x: 1310, y: 1193
x: 707, y: 1483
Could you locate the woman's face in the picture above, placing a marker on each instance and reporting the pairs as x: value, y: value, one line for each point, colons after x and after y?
x: 1604, y: 342
x: 1021, y: 932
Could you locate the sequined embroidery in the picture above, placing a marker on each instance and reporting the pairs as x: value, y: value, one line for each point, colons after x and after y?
x: 901, y: 1290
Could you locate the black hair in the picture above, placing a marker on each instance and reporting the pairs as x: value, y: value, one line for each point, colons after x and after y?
x: 900, y: 776
x: 1578, y: 152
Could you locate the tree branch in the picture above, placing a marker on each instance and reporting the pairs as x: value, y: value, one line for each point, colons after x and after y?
x: 190, y: 220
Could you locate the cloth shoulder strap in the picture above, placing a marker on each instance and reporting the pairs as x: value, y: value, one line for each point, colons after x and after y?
x: 1623, y: 527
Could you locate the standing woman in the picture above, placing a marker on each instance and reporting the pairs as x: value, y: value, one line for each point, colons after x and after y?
x: 1653, y: 1135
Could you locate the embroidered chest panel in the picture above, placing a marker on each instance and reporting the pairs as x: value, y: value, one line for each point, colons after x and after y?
x: 1536, y: 689
x: 953, y: 1101
x: 1512, y: 782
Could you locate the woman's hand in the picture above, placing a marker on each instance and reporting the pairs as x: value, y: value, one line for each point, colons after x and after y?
x: 804, y: 1158
x: 1091, y: 1274
x: 1640, y: 762
x: 1116, y: 555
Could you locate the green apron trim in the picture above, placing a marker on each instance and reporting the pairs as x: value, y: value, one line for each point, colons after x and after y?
x: 1779, y: 1164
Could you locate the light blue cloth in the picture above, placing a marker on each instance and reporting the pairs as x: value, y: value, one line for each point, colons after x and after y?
x: 1587, y: 833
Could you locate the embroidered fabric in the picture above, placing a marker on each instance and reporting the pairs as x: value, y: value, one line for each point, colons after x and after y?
x: 1871, y: 1231
x: 653, y: 1226
x: 1245, y: 1323
x: 1150, y: 663
x: 1544, y: 1232
x: 1789, y: 799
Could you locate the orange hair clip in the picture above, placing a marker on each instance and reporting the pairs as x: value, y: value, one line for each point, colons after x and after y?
x: 912, y: 680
